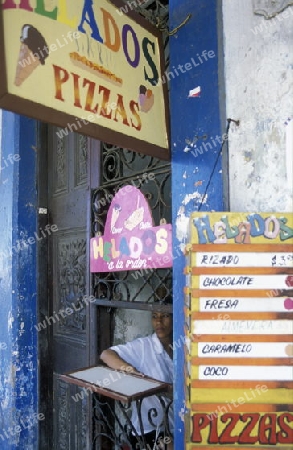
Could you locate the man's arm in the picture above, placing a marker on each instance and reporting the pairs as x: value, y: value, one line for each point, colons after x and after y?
x: 113, y: 360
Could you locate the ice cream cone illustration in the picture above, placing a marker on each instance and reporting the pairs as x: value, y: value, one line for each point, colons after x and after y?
x: 146, y: 98
x: 135, y: 218
x: 33, y: 52
x: 22, y: 73
x: 115, y: 215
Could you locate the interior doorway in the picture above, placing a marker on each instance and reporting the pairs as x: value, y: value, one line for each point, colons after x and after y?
x: 83, y: 176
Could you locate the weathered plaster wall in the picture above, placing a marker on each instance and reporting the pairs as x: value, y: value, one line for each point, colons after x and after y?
x: 258, y: 77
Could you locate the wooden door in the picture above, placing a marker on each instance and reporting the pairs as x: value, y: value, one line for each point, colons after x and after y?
x: 69, y: 340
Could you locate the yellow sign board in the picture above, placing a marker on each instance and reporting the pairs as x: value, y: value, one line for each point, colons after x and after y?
x: 241, y: 228
x: 91, y: 67
x: 239, y: 327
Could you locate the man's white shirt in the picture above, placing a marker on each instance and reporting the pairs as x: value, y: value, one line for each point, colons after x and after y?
x: 148, y: 356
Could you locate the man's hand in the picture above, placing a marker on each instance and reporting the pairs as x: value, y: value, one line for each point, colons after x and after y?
x: 132, y: 370
x: 113, y: 360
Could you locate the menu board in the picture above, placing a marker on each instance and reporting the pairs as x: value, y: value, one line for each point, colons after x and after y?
x: 239, y: 331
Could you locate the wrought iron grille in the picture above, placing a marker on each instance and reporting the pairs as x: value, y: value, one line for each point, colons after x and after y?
x: 107, y: 413
x: 120, y: 167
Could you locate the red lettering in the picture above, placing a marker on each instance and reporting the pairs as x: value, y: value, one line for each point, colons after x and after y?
x: 9, y: 4
x: 244, y: 436
x: 285, y: 435
x: 90, y: 96
x: 87, y: 98
x: 105, y: 102
x: 225, y: 437
x: 61, y: 76
x: 199, y: 423
x: 269, y: 428
x: 213, y: 436
x: 121, y: 110
x: 24, y: 4
x: 259, y: 429
x: 134, y: 108
x: 76, y: 90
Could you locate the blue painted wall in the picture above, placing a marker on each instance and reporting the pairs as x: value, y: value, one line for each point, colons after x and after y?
x: 196, y: 133
x: 18, y: 338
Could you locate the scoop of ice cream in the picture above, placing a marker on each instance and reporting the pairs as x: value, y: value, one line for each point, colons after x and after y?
x: 142, y: 89
x: 141, y: 99
x: 36, y: 43
x: 148, y: 102
x: 146, y: 98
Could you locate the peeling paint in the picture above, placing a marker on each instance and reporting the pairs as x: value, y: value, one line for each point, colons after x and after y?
x: 10, y: 320
x: 183, y: 411
x: 18, y: 381
x: 193, y: 93
x: 189, y: 197
x: 182, y: 222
